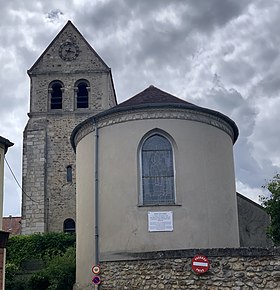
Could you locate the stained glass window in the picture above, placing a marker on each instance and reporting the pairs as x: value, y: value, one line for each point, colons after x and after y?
x: 157, y: 171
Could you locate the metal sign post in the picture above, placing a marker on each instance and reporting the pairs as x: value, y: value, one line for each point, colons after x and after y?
x: 96, y: 280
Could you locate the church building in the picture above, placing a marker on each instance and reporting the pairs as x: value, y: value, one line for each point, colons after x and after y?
x: 149, y: 173
x: 152, y: 173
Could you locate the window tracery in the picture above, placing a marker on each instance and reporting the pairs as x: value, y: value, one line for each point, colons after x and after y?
x: 157, y: 171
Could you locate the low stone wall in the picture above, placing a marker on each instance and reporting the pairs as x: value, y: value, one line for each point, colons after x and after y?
x: 243, y: 268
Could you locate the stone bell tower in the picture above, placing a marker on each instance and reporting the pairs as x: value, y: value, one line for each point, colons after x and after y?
x: 69, y: 83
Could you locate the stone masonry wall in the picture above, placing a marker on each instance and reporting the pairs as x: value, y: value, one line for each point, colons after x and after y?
x: 33, y: 178
x: 237, y: 269
x: 48, y: 152
x: 49, y: 198
x: 46, y: 142
x: 61, y: 195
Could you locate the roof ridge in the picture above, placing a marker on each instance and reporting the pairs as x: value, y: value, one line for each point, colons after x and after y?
x: 152, y: 95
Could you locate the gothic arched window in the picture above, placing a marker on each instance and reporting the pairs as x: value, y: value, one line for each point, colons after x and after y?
x: 82, y: 90
x: 56, y: 90
x: 157, y: 171
x: 69, y: 226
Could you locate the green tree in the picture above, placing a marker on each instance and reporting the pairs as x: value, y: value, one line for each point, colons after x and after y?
x: 272, y: 207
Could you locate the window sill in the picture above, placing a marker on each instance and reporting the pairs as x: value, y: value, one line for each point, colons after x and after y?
x: 159, y: 205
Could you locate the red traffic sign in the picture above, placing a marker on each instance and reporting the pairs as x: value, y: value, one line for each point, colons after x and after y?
x: 95, y: 270
x: 96, y: 280
x: 200, y: 264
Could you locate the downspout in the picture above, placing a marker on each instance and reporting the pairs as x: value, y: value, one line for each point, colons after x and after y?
x: 46, y: 193
x: 96, y: 194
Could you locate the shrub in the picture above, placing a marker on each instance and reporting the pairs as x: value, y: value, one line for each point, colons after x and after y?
x: 40, y: 246
x: 11, y: 271
x: 17, y: 283
x: 38, y: 281
x: 55, y: 249
x: 61, y: 271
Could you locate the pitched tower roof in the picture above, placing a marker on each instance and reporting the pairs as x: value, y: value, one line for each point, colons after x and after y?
x: 50, y: 60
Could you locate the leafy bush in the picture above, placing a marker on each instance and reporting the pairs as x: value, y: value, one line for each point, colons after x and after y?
x: 61, y: 271
x: 11, y: 270
x: 41, y: 246
x: 38, y: 281
x: 272, y: 207
x: 17, y: 283
x: 55, y: 249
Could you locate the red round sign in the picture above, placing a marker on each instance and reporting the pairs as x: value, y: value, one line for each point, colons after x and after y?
x: 95, y: 269
x: 200, y: 264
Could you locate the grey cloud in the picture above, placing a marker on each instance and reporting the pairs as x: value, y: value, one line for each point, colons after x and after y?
x: 107, y: 16
x: 266, y: 134
x: 236, y: 71
x: 247, y: 168
x: 269, y: 86
x: 162, y: 41
x: 266, y: 54
x: 12, y: 196
x: 233, y: 104
x: 54, y: 14
x: 206, y: 15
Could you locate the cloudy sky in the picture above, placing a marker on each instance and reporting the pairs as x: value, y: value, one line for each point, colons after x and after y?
x: 220, y: 54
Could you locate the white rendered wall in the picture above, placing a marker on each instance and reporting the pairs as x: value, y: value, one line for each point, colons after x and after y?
x: 85, y: 210
x: 205, y: 214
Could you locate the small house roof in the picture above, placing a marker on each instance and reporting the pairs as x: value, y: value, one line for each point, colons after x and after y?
x: 6, y: 143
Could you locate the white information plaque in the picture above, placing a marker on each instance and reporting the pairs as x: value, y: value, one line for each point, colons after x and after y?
x: 160, y: 221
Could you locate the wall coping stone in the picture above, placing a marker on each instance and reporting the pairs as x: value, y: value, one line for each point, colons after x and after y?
x: 188, y: 253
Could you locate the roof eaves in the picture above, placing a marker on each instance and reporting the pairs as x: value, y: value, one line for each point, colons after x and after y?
x: 188, y: 106
x: 121, y: 109
x: 7, y: 143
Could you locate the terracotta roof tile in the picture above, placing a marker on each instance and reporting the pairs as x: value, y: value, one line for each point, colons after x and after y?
x: 12, y: 225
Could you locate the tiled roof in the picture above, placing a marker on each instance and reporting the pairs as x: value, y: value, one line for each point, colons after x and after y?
x: 6, y: 143
x: 12, y: 225
x: 153, y: 95
x: 153, y: 98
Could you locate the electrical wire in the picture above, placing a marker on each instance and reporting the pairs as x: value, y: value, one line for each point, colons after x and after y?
x: 18, y: 182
